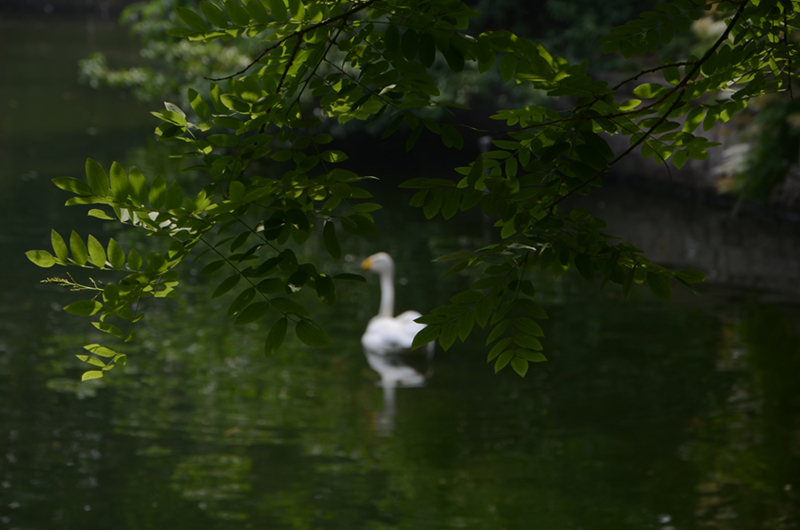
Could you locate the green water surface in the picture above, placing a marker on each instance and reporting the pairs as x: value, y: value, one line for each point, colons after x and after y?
x: 647, y: 415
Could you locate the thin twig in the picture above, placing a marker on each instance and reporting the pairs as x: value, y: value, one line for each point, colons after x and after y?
x: 678, y: 101
x: 298, y: 33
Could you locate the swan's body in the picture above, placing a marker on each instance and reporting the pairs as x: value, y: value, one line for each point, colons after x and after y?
x: 387, y: 334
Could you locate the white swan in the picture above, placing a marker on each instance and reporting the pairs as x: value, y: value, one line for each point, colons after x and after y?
x: 387, y: 334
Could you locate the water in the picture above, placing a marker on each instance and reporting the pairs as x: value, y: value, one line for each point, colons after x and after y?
x: 648, y: 415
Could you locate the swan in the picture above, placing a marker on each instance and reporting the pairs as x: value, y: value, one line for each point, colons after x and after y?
x: 387, y: 334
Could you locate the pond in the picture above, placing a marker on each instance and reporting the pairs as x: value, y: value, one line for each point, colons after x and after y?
x: 647, y: 415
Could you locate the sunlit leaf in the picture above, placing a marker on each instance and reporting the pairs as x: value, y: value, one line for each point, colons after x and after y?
x: 84, y: 308
x: 78, y: 248
x: 97, y: 254
x: 98, y: 180
x: 91, y: 374
x: 158, y: 193
x: 59, y: 246
x: 41, y: 258
x: 116, y: 256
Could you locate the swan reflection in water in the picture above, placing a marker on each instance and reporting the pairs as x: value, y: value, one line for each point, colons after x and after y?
x: 387, y: 343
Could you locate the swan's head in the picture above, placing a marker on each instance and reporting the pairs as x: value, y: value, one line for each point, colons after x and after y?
x: 380, y: 263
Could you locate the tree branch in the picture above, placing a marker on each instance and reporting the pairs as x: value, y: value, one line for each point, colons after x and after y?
x: 298, y: 33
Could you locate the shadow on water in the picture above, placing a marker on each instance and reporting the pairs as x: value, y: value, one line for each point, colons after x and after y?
x: 647, y: 415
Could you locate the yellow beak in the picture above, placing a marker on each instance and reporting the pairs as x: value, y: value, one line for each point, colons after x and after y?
x: 366, y: 264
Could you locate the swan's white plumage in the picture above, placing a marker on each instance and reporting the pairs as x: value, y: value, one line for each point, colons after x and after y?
x: 386, y: 333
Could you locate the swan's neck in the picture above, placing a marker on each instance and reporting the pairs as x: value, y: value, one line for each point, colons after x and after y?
x: 387, y: 295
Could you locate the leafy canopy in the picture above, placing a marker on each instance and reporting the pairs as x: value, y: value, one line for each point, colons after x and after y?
x: 374, y: 60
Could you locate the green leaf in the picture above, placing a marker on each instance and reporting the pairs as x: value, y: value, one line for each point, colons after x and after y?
x: 134, y: 260
x: 276, y: 335
x: 412, y: 139
x: 448, y: 335
x: 241, y: 301
x: 84, y: 308
x: 359, y: 225
x: 108, y: 328
x: 41, y: 258
x: 410, y: 44
x: 91, y: 374
x: 393, y: 126
x: 667, y: 33
x: 278, y: 9
x: 672, y: 75
x: 532, y: 308
x: 465, y: 324
x: 498, y: 331
x: 98, y: 180
x: 503, y: 360
x: 100, y: 350
x: 482, y: 311
x: 284, y: 305
x: 628, y: 281
x: 257, y: 11
x: 392, y: 39
x: 138, y: 186
x: 226, y: 285
x: 326, y: 290
x: 97, y: 254
x: 648, y: 90
x: 498, y: 348
x: 427, y: 49
x: 691, y: 276
x: 532, y: 356
x: 679, y: 158
x: 78, y: 187
x: 240, y: 17
x: 214, y: 14
x: 454, y: 58
x: 526, y: 325
x: 116, y: 256
x: 486, y: 57
x: 158, y: 193
x: 508, y: 67
x: 197, y: 102
x: 528, y: 342
x: 433, y: 203
x: 192, y: 19
x: 311, y: 334
x: 174, y: 196
x: 520, y: 366
x: 79, y: 252
x: 451, y: 137
x: 660, y: 285
x: 425, y: 335
x: 119, y: 182
x: 59, y: 246
x: 333, y: 156
x: 252, y: 313
x: 100, y: 214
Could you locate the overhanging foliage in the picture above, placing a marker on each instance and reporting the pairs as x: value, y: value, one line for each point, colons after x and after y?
x: 372, y: 60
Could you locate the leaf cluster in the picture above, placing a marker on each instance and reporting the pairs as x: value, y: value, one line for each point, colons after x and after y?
x: 372, y: 59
